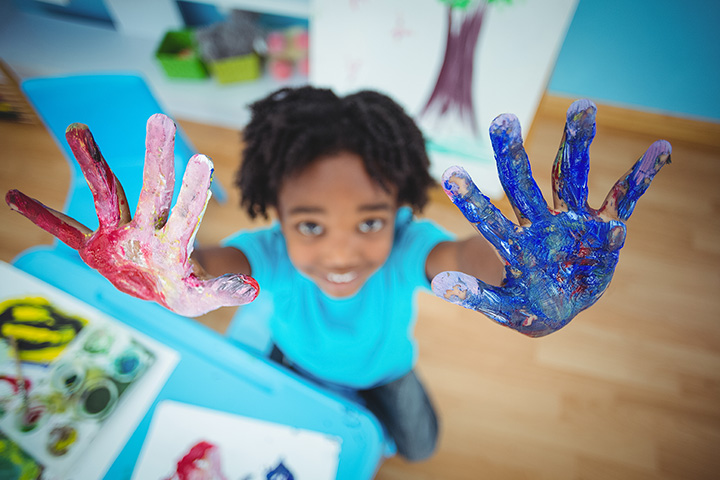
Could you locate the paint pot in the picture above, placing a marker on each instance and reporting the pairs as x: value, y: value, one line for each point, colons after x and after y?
x: 61, y: 439
x: 97, y: 398
x: 31, y: 416
x: 98, y: 341
x: 129, y: 364
x: 67, y: 378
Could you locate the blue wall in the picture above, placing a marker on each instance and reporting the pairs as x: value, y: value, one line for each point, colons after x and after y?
x: 657, y: 55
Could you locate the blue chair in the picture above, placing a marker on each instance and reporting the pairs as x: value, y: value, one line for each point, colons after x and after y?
x: 116, y: 108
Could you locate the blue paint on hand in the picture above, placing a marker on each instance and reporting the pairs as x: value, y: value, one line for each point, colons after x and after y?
x: 558, y: 261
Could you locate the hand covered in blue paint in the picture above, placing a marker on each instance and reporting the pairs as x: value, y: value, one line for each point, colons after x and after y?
x: 559, y: 261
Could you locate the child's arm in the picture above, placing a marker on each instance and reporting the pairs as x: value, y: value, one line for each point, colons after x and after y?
x: 217, y: 261
x: 473, y: 255
x: 558, y: 261
x: 147, y: 256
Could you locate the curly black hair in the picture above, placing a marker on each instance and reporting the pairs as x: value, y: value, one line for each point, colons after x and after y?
x: 293, y: 127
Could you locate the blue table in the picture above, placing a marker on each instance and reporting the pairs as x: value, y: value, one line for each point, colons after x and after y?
x: 214, y: 373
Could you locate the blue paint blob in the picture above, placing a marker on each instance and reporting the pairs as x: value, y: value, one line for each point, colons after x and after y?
x: 280, y: 472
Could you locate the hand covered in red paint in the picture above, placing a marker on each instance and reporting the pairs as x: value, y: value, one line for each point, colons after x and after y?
x: 147, y: 256
x: 558, y: 261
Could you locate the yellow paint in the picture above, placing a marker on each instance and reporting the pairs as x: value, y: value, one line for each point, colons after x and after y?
x: 37, y: 334
x: 24, y: 313
x: 35, y: 321
x: 63, y: 444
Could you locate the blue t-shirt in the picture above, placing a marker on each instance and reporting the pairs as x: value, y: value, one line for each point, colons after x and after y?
x: 360, y: 341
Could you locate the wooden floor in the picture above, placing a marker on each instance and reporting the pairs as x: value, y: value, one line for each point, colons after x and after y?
x: 630, y: 390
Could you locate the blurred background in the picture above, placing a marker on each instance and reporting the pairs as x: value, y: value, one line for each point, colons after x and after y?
x: 630, y: 390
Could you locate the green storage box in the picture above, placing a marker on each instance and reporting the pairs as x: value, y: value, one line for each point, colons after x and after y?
x: 236, y: 69
x: 179, y: 56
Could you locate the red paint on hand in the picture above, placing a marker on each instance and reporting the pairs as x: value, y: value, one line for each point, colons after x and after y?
x: 147, y: 256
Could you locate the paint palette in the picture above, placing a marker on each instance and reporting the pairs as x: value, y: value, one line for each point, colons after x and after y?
x: 66, y: 370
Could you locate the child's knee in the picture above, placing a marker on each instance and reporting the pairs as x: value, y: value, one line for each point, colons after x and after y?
x: 421, y: 445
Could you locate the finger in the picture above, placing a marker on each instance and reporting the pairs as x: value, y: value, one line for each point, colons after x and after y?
x: 471, y: 293
x: 68, y: 230
x: 494, y: 302
x: 191, y: 203
x: 230, y: 290
x: 110, y: 202
x: 620, y: 201
x: 479, y: 211
x: 159, y: 173
x: 514, y: 169
x: 572, y: 163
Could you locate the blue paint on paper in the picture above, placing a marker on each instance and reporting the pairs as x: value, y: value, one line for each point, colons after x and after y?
x: 280, y: 472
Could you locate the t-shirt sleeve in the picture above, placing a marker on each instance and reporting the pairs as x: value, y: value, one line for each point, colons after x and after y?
x: 414, y: 239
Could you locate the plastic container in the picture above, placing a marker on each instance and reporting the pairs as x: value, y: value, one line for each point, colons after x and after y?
x: 236, y: 69
x: 178, y: 55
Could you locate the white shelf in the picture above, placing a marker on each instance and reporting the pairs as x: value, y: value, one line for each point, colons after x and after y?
x: 39, y: 45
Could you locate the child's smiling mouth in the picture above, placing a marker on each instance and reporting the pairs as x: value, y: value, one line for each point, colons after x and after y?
x: 341, y: 278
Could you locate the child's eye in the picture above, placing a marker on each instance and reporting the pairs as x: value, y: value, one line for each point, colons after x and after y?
x: 310, y: 229
x: 370, y: 226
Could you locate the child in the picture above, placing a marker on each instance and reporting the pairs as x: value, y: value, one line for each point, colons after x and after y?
x: 342, y: 263
x: 345, y: 258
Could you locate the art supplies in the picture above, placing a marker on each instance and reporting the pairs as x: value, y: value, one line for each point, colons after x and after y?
x: 74, y: 382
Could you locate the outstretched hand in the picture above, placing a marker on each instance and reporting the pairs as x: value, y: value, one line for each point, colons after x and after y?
x: 559, y: 261
x: 147, y: 256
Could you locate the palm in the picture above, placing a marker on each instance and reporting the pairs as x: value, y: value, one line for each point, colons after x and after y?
x: 147, y: 256
x: 559, y: 261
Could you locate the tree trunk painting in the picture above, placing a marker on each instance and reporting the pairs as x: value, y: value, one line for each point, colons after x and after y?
x: 450, y: 109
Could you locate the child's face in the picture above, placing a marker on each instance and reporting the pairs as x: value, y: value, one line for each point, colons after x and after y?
x: 337, y: 222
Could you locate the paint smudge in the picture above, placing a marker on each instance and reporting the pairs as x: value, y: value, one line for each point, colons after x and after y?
x: 281, y: 472
x: 202, y: 461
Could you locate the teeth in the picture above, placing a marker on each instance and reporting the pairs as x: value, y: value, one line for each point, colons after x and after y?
x: 341, y: 277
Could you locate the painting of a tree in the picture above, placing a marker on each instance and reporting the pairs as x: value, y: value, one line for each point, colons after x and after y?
x: 454, y: 65
x: 450, y: 107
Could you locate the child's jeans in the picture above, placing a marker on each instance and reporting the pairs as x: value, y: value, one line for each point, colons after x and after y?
x: 402, y: 406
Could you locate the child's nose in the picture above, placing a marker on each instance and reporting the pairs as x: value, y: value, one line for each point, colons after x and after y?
x: 342, y: 251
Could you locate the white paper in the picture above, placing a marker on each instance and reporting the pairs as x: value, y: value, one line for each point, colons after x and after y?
x: 248, y: 448
x: 397, y: 47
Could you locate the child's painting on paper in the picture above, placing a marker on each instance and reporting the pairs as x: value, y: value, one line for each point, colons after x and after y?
x: 186, y: 441
x: 73, y: 381
x: 453, y: 64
